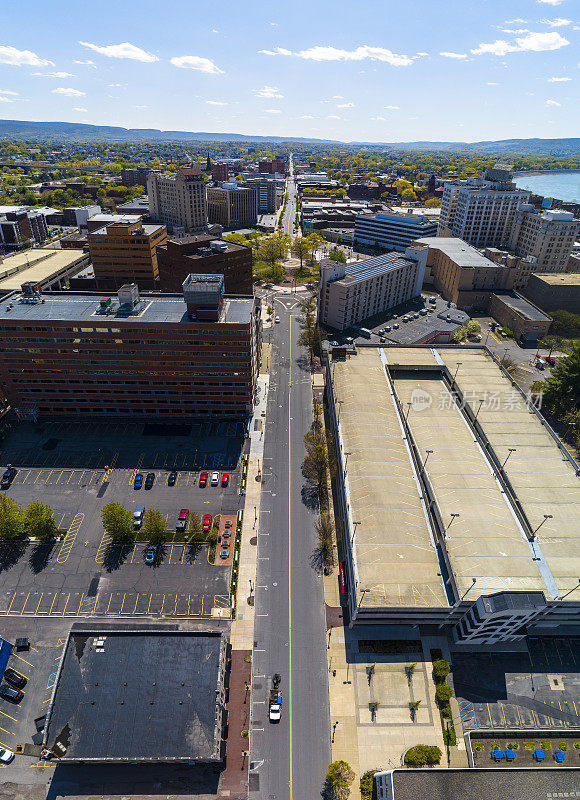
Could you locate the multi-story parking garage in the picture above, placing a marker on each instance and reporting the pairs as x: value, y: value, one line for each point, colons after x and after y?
x: 460, y: 507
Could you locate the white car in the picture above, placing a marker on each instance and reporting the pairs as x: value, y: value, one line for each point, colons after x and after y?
x: 215, y: 479
x: 6, y: 755
x: 277, y: 319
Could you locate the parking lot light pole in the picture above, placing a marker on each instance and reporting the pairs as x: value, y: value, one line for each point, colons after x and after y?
x: 427, y: 459
x: 573, y: 589
x: 546, y: 517
x: 469, y: 588
x: 505, y: 352
x: 409, y: 404
x: 358, y: 522
x: 453, y: 516
x: 459, y: 363
x: 481, y: 402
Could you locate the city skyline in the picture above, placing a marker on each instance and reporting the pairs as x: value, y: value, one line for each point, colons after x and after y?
x: 502, y: 70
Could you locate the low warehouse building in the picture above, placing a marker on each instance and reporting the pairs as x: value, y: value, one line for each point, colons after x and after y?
x: 559, y: 291
x: 131, y: 694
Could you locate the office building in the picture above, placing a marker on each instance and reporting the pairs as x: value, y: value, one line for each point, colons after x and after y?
x: 462, y: 274
x: 276, y: 165
x: 139, y: 205
x: 439, y: 527
x: 220, y: 171
x: 524, y: 265
x: 134, y: 177
x: 127, y: 356
x: 555, y: 291
x: 481, y: 211
x: 101, y: 220
x: 179, y: 201
x: 125, y: 252
x: 527, y: 323
x: 22, y: 226
x: 392, y: 231
x: 548, y: 236
x: 138, y: 695
x: 79, y: 215
x: 350, y: 293
x: 232, y: 205
x: 267, y: 193
x: 177, y: 258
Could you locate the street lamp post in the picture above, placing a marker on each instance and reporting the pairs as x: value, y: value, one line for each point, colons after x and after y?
x: 355, y: 523
x: 427, y: 459
x: 346, y: 455
x: 505, y: 352
x: 469, y: 588
x: 546, y: 517
x: 459, y: 363
x: 573, y: 589
x: 409, y: 404
x: 453, y: 516
x: 510, y: 451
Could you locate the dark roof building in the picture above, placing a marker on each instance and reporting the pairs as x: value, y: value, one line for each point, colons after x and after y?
x: 177, y: 258
x: 126, y: 694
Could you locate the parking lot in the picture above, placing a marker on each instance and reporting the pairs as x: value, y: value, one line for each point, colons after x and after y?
x: 539, y: 689
x: 77, y: 469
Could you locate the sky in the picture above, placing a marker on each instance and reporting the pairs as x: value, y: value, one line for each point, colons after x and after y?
x: 363, y: 70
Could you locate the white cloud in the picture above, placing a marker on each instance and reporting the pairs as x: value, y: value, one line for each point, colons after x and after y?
x: 514, y: 30
x: 269, y: 92
x: 534, y: 42
x: 87, y: 63
x: 215, y: 103
x: 559, y: 22
x: 123, y: 50
x: 8, y: 91
x: 22, y: 58
x: 198, y: 63
x: 273, y: 24
x: 558, y: 80
x: 307, y: 116
x: 5, y: 100
x: 328, y: 53
x: 422, y: 55
x: 68, y: 92
x: 345, y: 105
x: 378, y: 119
x: 550, y: 2
x: 333, y: 116
x: 114, y: 85
x: 273, y: 111
x: 337, y: 97
x: 492, y: 83
x: 553, y: 103
x: 141, y: 108
x: 516, y: 21
x: 81, y: 110
x: 447, y: 54
x: 53, y: 74
x: 214, y: 30
x: 392, y: 108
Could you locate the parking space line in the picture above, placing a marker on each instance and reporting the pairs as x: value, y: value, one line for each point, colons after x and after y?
x: 60, y: 521
x: 5, y: 731
x: 26, y: 476
x: 149, y: 604
x: 52, y: 604
x: 70, y: 537
x: 136, y: 601
x: 60, y: 476
x: 162, y: 606
x: 37, y: 477
x: 48, y: 476
x: 26, y: 601
x: 96, y: 601
x: 122, y: 603
x: 110, y: 600
x: 100, y: 556
x: 66, y: 604
x: 80, y: 604
x: 8, y: 715
x: 10, y: 606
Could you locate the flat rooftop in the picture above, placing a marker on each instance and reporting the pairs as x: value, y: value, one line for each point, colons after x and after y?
x: 84, y: 306
x: 559, y: 278
x: 522, y: 306
x: 459, y: 251
x: 35, y: 265
x: 134, y: 695
x: 357, y: 271
x: 147, y: 229
x: 486, y: 784
x: 393, y: 544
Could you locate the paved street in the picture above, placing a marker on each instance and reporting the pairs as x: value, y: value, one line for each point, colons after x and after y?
x: 287, y: 224
x: 291, y: 757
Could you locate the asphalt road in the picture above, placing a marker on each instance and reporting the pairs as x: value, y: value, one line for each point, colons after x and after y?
x: 290, y: 757
x: 288, y: 220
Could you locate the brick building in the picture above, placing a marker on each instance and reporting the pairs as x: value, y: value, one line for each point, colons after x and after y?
x: 17, y: 226
x: 220, y: 171
x: 273, y: 166
x: 179, y: 356
x: 134, y: 177
x: 177, y: 258
x: 125, y: 252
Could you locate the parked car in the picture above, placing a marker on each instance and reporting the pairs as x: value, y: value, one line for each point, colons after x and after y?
x: 202, y: 480
x: 151, y: 554
x: 138, y: 481
x: 182, y: 519
x: 149, y: 480
x: 225, y: 479
x: 226, y: 534
x: 6, y: 755
x: 277, y: 319
x: 138, y: 515
x: 224, y: 553
x: 9, y: 693
x: 8, y: 476
x: 14, y: 678
x: 206, y: 522
x: 172, y: 478
x: 215, y: 478
x: 228, y: 523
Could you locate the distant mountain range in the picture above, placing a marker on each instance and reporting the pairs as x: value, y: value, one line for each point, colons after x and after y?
x: 77, y: 131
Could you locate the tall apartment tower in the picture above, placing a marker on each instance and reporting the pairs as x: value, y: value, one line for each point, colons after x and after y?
x: 220, y: 171
x: 481, y: 211
x: 233, y: 206
x: 179, y: 201
x: 548, y: 236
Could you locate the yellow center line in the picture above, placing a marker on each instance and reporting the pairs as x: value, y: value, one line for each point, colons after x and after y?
x: 290, y: 550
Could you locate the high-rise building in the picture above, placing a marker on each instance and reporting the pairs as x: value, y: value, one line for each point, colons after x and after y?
x: 134, y: 177
x: 124, y: 251
x: 164, y: 355
x: 232, y: 206
x: 178, y: 201
x: 548, y: 236
x: 273, y: 166
x: 350, y: 293
x: 266, y: 188
x: 481, y: 211
x: 21, y: 225
x: 177, y: 258
x: 220, y: 171
x: 392, y: 231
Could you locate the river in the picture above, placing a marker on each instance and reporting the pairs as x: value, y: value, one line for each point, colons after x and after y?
x: 561, y: 185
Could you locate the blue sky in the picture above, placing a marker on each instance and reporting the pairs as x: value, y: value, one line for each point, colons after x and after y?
x: 362, y: 70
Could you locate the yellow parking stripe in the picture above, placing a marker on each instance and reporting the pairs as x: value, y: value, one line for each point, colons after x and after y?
x: 8, y: 715
x: 5, y: 731
x: 70, y: 537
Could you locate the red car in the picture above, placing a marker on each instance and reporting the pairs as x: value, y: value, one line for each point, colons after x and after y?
x: 202, y: 480
x: 206, y: 522
x: 225, y: 479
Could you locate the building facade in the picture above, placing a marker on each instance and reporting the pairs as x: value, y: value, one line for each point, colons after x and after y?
x: 555, y: 292
x: 547, y: 236
x: 178, y: 201
x: 392, y: 231
x: 162, y: 356
x: 232, y: 206
x: 276, y: 165
x: 220, y: 171
x: 126, y: 252
x: 350, y: 293
x: 177, y: 258
x: 524, y: 265
x: 482, y: 211
x: 463, y: 275
x: 134, y: 177
x: 266, y: 191
x: 20, y: 226
x: 527, y: 323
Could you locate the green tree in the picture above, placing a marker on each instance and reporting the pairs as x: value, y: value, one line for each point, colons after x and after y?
x: 443, y: 694
x: 273, y: 248
x: 408, y: 194
x: 566, y: 324
x: 337, y: 255
x: 11, y: 518
x: 368, y: 786
x: 39, y: 521
x: 195, y: 529
x: 117, y: 522
x: 441, y: 669
x: 433, y: 202
x: 562, y: 388
x: 340, y: 777
x: 154, y: 526
x: 422, y: 755
x: 236, y: 238
x: 301, y: 248
x: 325, y: 531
